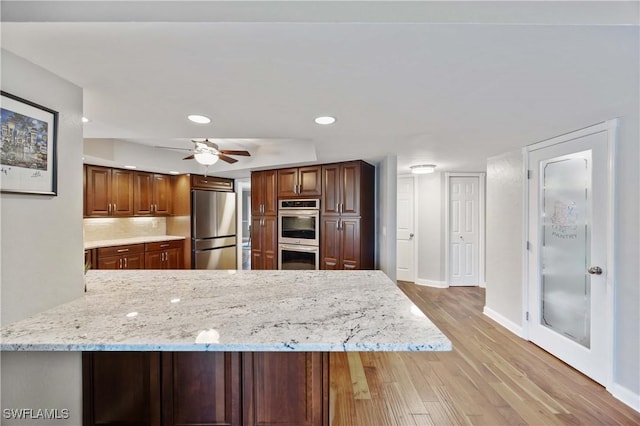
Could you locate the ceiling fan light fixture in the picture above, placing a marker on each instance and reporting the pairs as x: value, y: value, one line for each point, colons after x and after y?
x: 325, y: 120
x: 421, y: 169
x: 206, y: 158
x: 200, y: 119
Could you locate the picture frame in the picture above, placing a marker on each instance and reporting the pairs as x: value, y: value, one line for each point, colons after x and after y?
x: 28, y: 147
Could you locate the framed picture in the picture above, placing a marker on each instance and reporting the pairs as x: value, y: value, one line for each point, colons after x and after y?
x: 28, y: 147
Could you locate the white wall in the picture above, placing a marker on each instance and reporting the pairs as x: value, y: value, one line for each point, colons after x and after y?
x: 430, y: 227
x: 42, y: 252
x: 504, y: 241
x: 386, y: 200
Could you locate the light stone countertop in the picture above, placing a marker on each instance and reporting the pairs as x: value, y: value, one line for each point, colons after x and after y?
x: 196, y: 310
x: 133, y: 240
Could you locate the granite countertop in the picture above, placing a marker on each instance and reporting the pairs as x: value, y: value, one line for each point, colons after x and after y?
x: 196, y: 310
x: 133, y: 240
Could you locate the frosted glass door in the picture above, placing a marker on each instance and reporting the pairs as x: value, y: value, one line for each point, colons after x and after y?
x: 565, y: 218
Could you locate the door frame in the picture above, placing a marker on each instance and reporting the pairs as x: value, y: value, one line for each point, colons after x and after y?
x: 415, y: 227
x: 610, y: 127
x: 481, y: 224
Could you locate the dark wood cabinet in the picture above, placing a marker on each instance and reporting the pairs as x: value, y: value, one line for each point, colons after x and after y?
x: 264, y: 242
x: 211, y: 182
x: 346, y: 186
x: 108, y: 192
x: 152, y: 194
x: 206, y: 388
x: 164, y: 255
x: 264, y: 197
x: 264, y: 221
x: 121, y: 388
x: 348, y: 216
x: 285, y: 388
x: 300, y: 182
x: 121, y: 257
x: 201, y: 388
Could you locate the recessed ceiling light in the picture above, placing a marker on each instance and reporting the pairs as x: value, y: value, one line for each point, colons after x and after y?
x: 200, y: 119
x: 85, y: 120
x: 326, y: 119
x: 130, y: 167
x: 421, y: 169
x: 173, y: 172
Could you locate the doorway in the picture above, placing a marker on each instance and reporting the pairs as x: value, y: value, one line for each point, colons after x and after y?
x: 405, y: 234
x: 464, y: 224
x: 569, y: 260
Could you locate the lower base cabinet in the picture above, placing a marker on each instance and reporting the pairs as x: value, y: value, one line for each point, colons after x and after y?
x: 206, y: 388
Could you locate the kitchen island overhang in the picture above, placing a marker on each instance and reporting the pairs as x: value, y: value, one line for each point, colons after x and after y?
x: 222, y: 347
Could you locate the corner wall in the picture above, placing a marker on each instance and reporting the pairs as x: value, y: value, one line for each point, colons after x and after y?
x: 504, y: 239
x: 386, y: 200
x: 42, y: 251
x: 430, y: 227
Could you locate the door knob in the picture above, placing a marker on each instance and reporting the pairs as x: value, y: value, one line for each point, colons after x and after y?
x: 410, y: 236
x: 595, y: 270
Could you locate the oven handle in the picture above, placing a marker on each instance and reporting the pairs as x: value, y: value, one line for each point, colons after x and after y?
x: 298, y: 248
x: 299, y: 212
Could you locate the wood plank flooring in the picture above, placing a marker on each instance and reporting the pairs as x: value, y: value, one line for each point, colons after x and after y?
x: 492, y: 377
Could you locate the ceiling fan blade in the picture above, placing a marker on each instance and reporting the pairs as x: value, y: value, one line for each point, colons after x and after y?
x: 191, y: 157
x: 175, y: 149
x: 234, y: 152
x: 227, y: 159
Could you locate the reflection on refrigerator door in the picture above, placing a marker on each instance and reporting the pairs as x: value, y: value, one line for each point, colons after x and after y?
x: 216, y: 258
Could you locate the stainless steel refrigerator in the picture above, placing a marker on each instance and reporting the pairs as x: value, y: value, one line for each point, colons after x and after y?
x: 213, y: 230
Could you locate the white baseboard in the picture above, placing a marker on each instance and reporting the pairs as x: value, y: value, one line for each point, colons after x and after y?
x: 483, y: 284
x: 626, y: 396
x: 503, y: 321
x: 429, y: 283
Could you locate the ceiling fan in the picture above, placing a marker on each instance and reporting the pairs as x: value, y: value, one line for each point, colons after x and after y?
x: 207, y: 153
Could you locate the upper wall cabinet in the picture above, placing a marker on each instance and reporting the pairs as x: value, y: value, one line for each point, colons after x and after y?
x: 152, y: 194
x: 264, y: 199
x: 343, y: 187
x: 108, y: 192
x: 299, y: 182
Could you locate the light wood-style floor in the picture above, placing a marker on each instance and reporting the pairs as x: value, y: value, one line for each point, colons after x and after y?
x: 491, y: 377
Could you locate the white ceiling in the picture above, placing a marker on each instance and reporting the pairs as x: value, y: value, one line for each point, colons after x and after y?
x: 450, y: 94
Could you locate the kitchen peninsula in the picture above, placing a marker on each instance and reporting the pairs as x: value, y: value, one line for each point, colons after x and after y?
x: 240, y: 347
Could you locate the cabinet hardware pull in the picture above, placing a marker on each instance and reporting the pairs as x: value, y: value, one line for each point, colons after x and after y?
x: 114, y: 207
x: 125, y: 263
x: 109, y: 208
x: 120, y: 264
x: 123, y: 250
x: 164, y: 245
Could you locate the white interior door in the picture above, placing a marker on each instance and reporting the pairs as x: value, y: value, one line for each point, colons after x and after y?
x: 405, y: 233
x: 464, y: 230
x: 568, y: 214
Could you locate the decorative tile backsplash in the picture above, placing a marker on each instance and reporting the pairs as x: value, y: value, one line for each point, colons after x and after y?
x: 108, y: 228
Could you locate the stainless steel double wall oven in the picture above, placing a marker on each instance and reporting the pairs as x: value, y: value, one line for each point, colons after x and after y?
x: 299, y: 234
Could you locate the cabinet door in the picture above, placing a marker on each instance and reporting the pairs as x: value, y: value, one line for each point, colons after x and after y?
x: 173, y: 258
x: 331, y: 196
x: 133, y: 261
x: 154, y: 260
x: 256, y: 242
x: 143, y: 193
x: 310, y: 181
x: 121, y: 192
x: 201, y: 388
x: 270, y: 192
x: 109, y: 262
x: 257, y: 193
x: 330, y: 243
x: 350, y: 182
x: 121, y: 388
x: 98, y: 191
x: 287, y: 183
x: 350, y: 242
x: 161, y: 194
x: 285, y: 388
x: 270, y: 242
